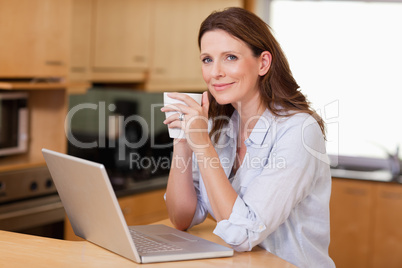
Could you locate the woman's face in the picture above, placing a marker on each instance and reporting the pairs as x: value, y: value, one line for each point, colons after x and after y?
x: 230, y: 69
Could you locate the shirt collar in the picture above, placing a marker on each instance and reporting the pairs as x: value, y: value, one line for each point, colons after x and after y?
x: 259, y: 132
x: 261, y: 129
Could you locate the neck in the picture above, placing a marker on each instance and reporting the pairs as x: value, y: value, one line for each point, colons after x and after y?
x: 249, y: 113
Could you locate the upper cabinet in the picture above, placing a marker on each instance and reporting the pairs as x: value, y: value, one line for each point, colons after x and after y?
x: 175, y: 63
x: 149, y: 43
x: 35, y: 38
x: 121, y: 39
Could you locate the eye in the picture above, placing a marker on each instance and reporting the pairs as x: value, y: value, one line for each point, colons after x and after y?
x: 206, y: 60
x: 231, y: 57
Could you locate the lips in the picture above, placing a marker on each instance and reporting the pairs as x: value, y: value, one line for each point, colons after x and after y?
x: 221, y: 86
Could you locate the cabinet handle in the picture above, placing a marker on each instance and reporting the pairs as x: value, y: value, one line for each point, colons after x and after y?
x: 160, y: 70
x: 391, y: 195
x: 78, y: 69
x: 54, y: 62
x: 138, y: 58
x: 356, y: 191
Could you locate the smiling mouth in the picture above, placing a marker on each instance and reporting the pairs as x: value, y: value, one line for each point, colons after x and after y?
x: 222, y: 86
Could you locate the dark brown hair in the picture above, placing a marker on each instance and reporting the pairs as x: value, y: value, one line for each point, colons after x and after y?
x: 278, y: 89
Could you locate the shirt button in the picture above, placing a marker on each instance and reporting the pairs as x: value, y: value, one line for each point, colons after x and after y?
x: 260, y: 227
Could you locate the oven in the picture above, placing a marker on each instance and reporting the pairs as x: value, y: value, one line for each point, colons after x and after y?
x: 29, y: 203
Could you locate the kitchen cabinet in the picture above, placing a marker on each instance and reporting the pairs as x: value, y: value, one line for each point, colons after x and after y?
x: 152, y: 43
x: 175, y: 63
x: 387, y: 235
x: 138, y: 209
x: 121, y: 40
x: 365, y: 224
x: 35, y: 38
x: 144, y: 208
x: 351, y: 222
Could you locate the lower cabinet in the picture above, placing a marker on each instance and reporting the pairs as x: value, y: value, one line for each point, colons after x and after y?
x: 387, y: 235
x: 366, y: 220
x: 144, y: 208
x: 138, y: 209
x: 351, y: 222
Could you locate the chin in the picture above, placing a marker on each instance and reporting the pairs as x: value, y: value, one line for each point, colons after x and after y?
x: 223, y: 101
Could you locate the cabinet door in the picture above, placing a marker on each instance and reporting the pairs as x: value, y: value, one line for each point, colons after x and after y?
x: 121, y: 34
x: 81, y: 40
x: 144, y: 208
x: 175, y: 63
x: 387, y: 244
x: 35, y: 38
x: 351, y: 222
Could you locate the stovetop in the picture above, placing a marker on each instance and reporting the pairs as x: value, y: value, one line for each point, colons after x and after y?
x: 25, y: 183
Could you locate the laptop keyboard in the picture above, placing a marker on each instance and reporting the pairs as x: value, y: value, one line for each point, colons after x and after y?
x: 146, y: 244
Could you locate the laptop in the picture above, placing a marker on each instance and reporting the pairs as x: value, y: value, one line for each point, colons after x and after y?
x: 95, y: 215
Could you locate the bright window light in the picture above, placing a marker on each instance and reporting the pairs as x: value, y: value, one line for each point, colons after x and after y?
x: 347, y: 58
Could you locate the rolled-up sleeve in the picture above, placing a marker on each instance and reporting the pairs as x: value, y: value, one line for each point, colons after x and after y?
x: 241, y: 224
x: 199, y: 215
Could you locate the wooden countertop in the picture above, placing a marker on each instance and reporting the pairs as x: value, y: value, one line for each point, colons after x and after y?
x: 20, y: 250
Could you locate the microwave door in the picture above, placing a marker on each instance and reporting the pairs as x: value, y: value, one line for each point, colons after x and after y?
x: 13, y: 123
x: 8, y: 124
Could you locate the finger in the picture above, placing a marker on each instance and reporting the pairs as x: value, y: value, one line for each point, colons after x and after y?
x: 176, y: 107
x: 172, y: 118
x: 184, y: 98
x: 176, y: 124
x: 205, y: 102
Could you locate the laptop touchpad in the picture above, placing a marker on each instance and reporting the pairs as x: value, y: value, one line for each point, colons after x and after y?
x: 175, y: 238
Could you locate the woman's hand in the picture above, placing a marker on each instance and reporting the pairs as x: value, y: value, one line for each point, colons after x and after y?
x: 195, y: 120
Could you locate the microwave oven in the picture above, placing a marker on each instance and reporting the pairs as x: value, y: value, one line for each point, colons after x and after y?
x: 13, y: 123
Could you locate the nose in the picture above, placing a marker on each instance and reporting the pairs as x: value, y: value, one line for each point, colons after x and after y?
x: 217, y: 70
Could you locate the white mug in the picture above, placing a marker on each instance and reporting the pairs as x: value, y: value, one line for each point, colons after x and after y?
x: 178, y: 133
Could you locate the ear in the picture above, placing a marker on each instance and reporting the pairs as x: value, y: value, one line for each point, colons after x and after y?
x: 265, y: 63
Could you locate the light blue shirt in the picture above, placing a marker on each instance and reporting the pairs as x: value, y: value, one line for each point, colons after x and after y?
x: 283, y: 186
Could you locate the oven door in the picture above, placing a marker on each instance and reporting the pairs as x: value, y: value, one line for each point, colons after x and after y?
x: 43, y: 216
x: 29, y: 203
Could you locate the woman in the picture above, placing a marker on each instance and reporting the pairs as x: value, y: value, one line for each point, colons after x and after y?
x: 259, y: 164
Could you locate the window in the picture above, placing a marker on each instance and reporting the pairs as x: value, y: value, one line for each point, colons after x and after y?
x: 347, y: 59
